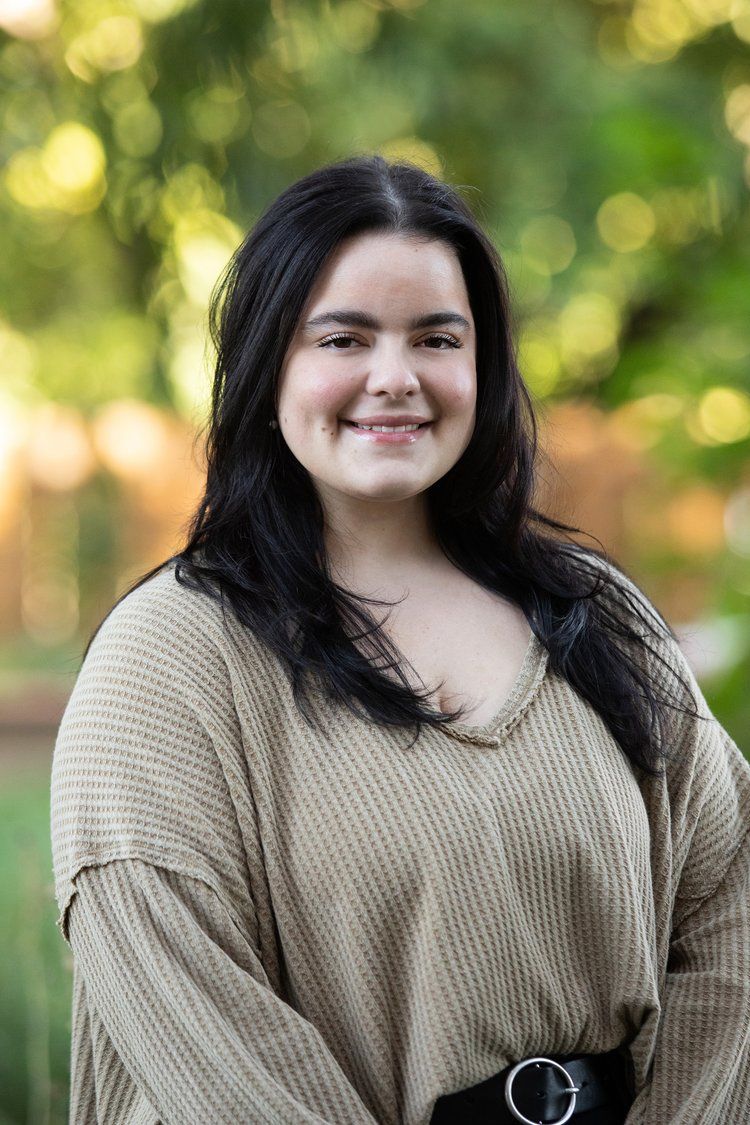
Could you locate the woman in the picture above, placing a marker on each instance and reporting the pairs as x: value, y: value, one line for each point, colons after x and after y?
x: 480, y: 857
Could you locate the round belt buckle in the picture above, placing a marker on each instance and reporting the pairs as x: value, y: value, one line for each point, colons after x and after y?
x: 571, y: 1089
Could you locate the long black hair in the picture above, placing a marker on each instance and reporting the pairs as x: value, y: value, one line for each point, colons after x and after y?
x: 256, y: 537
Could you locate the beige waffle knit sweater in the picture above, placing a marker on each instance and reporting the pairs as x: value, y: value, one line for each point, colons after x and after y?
x: 274, y: 926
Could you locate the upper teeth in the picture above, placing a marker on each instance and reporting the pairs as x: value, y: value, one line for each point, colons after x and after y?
x: 388, y: 429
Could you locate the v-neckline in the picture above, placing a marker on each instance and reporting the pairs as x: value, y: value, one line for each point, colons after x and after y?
x: 527, y: 682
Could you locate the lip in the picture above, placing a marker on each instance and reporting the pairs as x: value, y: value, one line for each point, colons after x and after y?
x: 406, y: 437
x: 390, y: 420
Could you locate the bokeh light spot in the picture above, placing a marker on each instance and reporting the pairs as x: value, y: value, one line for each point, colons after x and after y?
x: 724, y: 414
x: 281, y: 128
x: 538, y: 358
x: 625, y: 222
x: 412, y: 150
x: 130, y: 438
x: 114, y: 43
x: 589, y: 326
x: 67, y: 174
x: 354, y: 26
x: 188, y: 372
x: 203, y: 243
x: 678, y: 215
x: 29, y: 19
x: 741, y: 25
x: 640, y: 424
x: 138, y: 129
x: 218, y: 114
x: 694, y: 520
x: 190, y: 188
x: 550, y: 242
x: 59, y: 453
x: 18, y: 362
x: 297, y: 46
x: 25, y: 180
x: 73, y: 158
x: 737, y: 112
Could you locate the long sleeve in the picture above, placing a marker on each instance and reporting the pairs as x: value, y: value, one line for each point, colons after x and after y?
x: 699, y: 814
x: 701, y: 1069
x: 182, y: 999
x: 701, y: 1065
x: 189, y: 1011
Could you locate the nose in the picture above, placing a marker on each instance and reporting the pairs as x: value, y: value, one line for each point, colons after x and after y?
x: 392, y: 372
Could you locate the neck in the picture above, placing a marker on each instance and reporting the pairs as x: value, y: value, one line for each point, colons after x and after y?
x: 379, y: 543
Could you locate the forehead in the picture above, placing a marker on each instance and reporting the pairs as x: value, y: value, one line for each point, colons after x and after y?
x: 382, y: 266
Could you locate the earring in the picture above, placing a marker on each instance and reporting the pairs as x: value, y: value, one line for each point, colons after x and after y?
x: 273, y: 424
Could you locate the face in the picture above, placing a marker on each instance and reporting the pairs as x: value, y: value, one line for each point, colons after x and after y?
x: 387, y: 337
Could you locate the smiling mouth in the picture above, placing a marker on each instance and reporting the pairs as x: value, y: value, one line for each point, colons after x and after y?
x: 406, y: 429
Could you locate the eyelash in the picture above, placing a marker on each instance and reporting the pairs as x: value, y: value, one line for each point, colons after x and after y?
x: 450, y: 340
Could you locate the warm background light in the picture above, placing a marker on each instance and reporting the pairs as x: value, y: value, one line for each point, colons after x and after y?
x: 28, y: 19
x: 59, y: 453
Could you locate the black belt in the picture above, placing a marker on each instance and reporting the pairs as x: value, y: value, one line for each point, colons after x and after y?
x: 545, y: 1090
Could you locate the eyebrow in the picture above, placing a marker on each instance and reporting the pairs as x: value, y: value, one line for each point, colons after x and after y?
x: 361, y: 319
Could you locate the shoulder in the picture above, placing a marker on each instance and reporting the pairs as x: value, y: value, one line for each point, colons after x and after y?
x: 150, y: 676
x: 146, y: 741
x: 707, y: 777
x: 169, y: 657
x: 616, y: 586
x: 638, y: 625
x: 692, y: 739
x: 168, y: 631
x: 164, y: 615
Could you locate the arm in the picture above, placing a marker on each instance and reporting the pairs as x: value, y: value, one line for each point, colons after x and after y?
x: 701, y: 1069
x: 700, y: 809
x: 163, y: 891
x: 188, y: 1008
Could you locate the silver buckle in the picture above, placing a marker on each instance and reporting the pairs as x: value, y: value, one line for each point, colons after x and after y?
x: 570, y: 1089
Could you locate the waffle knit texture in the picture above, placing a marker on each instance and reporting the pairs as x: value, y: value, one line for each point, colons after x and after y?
x: 276, y: 926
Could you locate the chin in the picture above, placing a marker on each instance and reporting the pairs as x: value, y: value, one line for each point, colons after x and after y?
x: 387, y: 494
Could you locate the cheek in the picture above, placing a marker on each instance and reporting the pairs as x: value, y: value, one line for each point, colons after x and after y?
x: 329, y: 396
x: 312, y: 395
x: 460, y: 392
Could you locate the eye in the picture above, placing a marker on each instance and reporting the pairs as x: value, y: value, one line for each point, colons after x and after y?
x: 444, y: 338
x: 340, y: 336
x: 344, y: 339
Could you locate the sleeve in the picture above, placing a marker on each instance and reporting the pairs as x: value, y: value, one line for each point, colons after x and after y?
x: 187, y: 1008
x: 700, y: 810
x: 701, y: 1067
x: 162, y: 886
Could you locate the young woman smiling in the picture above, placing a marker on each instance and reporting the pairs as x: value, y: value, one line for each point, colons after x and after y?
x: 481, y: 857
x: 373, y: 349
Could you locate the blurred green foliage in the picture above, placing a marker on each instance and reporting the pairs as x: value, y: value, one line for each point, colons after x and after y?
x: 603, y: 144
x: 35, y: 971
x: 140, y: 140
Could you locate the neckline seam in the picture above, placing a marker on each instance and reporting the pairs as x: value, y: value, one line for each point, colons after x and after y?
x: 530, y: 677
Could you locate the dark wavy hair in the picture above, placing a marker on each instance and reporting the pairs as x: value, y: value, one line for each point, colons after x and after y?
x: 256, y: 537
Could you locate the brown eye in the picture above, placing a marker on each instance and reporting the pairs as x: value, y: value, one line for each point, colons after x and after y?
x: 451, y: 341
x: 340, y: 337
